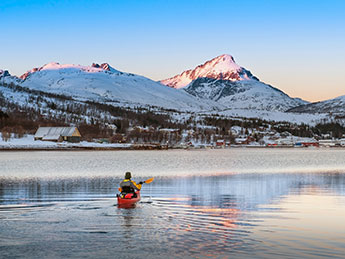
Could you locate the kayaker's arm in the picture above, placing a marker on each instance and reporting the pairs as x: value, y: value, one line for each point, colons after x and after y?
x: 136, y: 186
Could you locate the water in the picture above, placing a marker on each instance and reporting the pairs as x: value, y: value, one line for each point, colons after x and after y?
x: 237, y: 203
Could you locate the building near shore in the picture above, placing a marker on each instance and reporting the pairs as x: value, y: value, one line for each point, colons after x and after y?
x: 58, y: 134
x: 329, y: 142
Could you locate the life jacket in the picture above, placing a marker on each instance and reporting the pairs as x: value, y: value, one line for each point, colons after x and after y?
x: 126, y: 186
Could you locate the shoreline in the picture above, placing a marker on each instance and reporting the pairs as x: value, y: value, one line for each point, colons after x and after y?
x: 146, y: 148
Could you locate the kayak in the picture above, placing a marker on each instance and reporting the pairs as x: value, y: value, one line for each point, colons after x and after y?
x: 128, y: 199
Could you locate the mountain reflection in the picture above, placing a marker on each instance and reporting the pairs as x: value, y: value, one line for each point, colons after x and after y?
x: 240, y: 191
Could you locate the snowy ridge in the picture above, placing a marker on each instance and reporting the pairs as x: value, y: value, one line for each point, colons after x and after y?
x: 310, y: 119
x: 94, y: 68
x: 103, y: 83
x: 222, y: 67
x: 5, y: 77
x: 4, y: 73
x: 335, y: 106
x: 245, y: 94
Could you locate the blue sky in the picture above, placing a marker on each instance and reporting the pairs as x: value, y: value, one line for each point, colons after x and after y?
x: 297, y: 46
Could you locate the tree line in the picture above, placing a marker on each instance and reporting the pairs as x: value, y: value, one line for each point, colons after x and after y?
x: 135, y: 124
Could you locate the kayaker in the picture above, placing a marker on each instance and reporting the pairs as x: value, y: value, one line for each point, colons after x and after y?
x: 129, y: 186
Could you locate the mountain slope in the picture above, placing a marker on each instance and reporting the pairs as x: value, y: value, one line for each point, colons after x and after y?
x: 7, y: 78
x: 335, y: 106
x: 103, y: 83
x: 245, y: 94
x: 222, y: 67
x: 4, y: 73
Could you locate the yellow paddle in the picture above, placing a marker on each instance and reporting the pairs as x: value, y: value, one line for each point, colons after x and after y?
x: 149, y: 180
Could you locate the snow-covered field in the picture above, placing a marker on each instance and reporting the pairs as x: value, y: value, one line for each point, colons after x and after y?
x: 298, y: 118
x: 28, y: 142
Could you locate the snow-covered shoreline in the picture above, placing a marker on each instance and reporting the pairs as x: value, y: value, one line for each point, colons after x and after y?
x: 28, y: 143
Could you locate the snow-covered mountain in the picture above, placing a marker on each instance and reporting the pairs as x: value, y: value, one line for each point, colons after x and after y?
x: 334, y: 106
x: 243, y: 94
x: 226, y: 94
x: 103, y: 83
x: 4, y: 73
x: 6, y: 77
x: 225, y: 82
x: 222, y: 67
x: 219, y: 86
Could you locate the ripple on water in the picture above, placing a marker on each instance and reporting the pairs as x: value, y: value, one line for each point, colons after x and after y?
x: 203, y: 215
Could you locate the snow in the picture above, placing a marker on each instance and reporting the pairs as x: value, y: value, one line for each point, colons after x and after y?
x: 249, y: 98
x: 8, y: 79
x: 88, y: 69
x: 81, y: 82
x: 29, y: 142
x: 214, y: 68
x: 250, y: 94
x: 311, y: 119
x: 54, y: 131
x: 335, y: 106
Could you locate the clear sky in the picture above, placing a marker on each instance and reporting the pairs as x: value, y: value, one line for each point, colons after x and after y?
x: 296, y: 46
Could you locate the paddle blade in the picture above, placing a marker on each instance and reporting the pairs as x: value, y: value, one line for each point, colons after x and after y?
x: 149, y: 180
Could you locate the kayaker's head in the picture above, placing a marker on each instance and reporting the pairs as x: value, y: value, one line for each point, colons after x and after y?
x: 128, y: 175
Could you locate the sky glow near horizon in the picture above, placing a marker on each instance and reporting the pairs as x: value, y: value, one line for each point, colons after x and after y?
x: 296, y: 46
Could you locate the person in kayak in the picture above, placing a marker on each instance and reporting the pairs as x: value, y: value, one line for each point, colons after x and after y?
x: 129, y: 186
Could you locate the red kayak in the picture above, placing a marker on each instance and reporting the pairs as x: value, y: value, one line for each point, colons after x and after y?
x: 128, y: 199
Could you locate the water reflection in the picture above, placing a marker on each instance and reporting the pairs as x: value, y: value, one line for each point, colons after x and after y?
x: 38, y: 190
x: 223, y: 215
x: 242, y: 191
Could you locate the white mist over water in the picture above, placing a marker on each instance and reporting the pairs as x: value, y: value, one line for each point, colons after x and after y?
x: 55, y: 164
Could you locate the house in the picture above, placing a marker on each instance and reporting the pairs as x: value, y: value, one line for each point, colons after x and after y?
x: 220, y: 143
x: 245, y: 141
x: 58, y: 134
x: 284, y: 142
x: 329, y: 142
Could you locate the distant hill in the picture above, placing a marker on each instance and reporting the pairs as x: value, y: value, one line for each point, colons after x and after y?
x: 334, y: 107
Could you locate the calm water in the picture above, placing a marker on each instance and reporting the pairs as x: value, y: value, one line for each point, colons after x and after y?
x: 237, y: 203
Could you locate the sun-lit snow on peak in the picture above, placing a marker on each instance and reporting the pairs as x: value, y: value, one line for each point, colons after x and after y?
x: 222, y: 67
x: 94, y: 68
x: 57, y: 66
x: 222, y: 63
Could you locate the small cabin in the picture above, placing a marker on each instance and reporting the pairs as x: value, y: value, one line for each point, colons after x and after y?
x: 220, y: 143
x: 58, y: 134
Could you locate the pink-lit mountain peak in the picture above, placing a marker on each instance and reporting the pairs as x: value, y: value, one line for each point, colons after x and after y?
x: 94, y: 68
x: 222, y: 67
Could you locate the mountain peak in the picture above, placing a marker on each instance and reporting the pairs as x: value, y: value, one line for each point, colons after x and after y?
x: 225, y: 58
x: 222, y: 67
x: 4, y: 73
x: 94, y: 68
x: 104, y: 66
